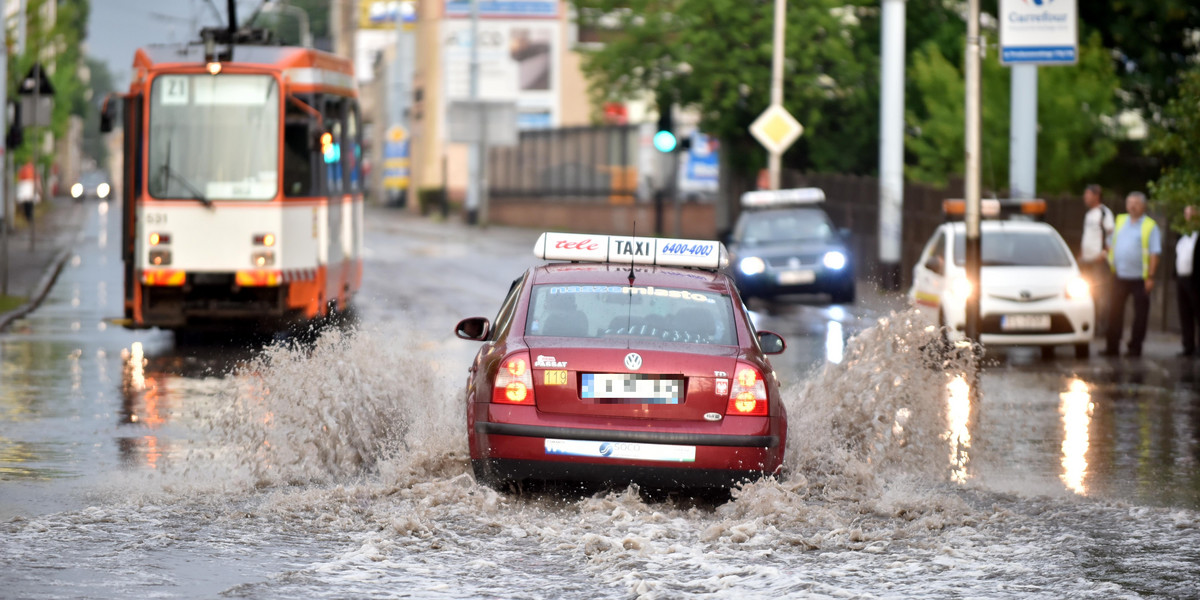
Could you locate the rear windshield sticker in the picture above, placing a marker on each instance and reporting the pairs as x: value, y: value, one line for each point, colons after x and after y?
x: 636, y: 291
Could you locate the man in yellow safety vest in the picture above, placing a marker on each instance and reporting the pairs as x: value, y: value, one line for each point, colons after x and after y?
x: 1133, y: 254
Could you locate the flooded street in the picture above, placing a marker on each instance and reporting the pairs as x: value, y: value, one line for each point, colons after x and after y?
x: 133, y: 465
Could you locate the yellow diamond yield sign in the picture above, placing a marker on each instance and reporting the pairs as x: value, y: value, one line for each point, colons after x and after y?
x: 776, y: 129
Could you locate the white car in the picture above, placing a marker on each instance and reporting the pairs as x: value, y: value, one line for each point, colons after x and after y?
x: 1033, y: 293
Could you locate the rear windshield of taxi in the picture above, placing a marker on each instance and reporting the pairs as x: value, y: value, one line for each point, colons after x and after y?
x: 1016, y: 249
x: 601, y: 311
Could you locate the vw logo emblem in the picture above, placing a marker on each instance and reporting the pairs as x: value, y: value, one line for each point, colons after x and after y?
x: 606, y: 449
x: 633, y: 361
x: 793, y: 262
x: 1025, y: 294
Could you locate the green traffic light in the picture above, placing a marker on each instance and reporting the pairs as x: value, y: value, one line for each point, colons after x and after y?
x: 664, y: 141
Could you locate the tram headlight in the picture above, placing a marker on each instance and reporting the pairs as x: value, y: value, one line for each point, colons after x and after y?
x: 263, y: 258
x: 159, y: 238
x: 264, y: 239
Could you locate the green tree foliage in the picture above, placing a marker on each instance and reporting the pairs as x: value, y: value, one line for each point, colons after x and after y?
x: 1073, y: 105
x: 65, y: 35
x: 1153, y: 43
x: 1176, y: 140
x: 100, y: 85
x: 715, y: 56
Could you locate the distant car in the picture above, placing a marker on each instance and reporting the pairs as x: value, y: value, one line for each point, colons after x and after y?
x: 784, y: 244
x: 627, y: 360
x: 92, y: 184
x: 1032, y: 291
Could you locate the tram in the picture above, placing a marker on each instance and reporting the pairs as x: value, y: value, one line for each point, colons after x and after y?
x: 243, y: 184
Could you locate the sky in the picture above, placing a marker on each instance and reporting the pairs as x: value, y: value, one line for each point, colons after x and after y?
x: 117, y: 28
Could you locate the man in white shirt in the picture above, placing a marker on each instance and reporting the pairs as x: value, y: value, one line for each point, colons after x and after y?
x: 1093, y: 252
x: 1188, y: 284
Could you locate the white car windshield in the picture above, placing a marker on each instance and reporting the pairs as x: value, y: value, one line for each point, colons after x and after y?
x: 1016, y: 249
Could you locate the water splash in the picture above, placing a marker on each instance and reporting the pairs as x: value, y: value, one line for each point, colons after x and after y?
x: 352, y: 403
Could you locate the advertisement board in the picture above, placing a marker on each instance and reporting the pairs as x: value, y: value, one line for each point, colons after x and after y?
x: 518, y: 61
x: 1039, y: 32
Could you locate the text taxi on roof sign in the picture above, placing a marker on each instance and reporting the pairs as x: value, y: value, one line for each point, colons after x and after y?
x: 626, y: 359
x: 785, y: 245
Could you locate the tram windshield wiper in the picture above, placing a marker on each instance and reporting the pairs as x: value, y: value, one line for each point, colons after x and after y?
x: 171, y: 174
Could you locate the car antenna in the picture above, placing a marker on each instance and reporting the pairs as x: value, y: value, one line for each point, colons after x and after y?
x: 631, y: 275
x: 629, y: 307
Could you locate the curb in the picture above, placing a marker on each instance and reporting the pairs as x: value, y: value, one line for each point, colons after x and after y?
x: 40, y: 292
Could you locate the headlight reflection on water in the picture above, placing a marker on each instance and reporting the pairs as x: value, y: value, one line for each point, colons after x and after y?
x: 1075, y: 405
x: 958, y: 433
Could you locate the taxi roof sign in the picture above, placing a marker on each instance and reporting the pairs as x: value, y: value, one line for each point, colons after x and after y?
x: 780, y: 198
x: 667, y: 252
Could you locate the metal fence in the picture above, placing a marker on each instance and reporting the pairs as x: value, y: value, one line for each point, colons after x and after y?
x: 572, y: 164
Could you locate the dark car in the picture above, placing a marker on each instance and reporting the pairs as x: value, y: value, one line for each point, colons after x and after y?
x: 93, y: 184
x: 610, y: 367
x: 784, y: 244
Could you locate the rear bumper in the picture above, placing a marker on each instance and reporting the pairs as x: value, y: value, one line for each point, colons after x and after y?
x: 648, y: 477
x: 652, y: 458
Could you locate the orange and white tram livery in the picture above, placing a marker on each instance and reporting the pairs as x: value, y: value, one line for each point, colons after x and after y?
x: 243, y: 195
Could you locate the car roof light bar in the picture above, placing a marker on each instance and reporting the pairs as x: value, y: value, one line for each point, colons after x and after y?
x: 994, y: 208
x: 624, y: 250
x: 782, y: 198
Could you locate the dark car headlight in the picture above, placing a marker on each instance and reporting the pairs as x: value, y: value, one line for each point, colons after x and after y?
x: 834, y: 260
x: 752, y: 265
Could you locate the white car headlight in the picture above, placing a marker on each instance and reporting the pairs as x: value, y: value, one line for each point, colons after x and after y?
x: 752, y: 265
x: 834, y: 260
x: 77, y: 190
x: 1078, y: 288
x: 961, y: 287
x: 102, y: 190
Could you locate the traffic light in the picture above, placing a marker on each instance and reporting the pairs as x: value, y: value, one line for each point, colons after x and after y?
x: 664, y: 137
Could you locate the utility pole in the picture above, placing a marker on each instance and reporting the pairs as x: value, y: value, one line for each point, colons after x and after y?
x: 476, y: 169
x: 775, y: 157
x: 891, y: 142
x: 973, y: 133
x: 5, y: 211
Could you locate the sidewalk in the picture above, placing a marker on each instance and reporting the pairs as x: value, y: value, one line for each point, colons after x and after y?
x: 31, y: 272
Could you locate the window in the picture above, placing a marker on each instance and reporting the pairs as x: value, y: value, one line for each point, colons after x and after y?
x: 672, y: 315
x: 214, y: 137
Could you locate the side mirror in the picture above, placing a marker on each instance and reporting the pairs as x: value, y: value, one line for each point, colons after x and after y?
x: 771, y: 342
x: 474, y: 329
x: 108, y: 114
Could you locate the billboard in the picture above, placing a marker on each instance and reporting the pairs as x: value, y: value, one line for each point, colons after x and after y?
x: 518, y: 61
x: 1039, y: 32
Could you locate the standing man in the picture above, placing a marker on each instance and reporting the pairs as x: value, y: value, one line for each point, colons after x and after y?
x: 1093, y: 252
x: 1133, y: 253
x: 1188, y: 284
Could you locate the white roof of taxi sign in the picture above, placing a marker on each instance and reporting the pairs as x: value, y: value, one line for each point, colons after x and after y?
x: 781, y: 198
x: 668, y: 252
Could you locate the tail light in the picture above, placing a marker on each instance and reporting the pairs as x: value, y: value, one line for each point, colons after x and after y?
x: 514, y: 381
x: 748, y: 395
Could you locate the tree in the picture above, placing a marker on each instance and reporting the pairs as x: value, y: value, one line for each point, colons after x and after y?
x: 715, y: 56
x: 1074, y: 104
x: 1176, y: 140
x: 1153, y: 43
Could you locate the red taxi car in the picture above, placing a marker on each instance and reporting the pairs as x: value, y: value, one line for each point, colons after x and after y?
x: 627, y: 360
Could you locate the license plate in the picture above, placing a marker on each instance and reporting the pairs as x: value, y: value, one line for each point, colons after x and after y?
x: 623, y: 450
x: 797, y: 277
x: 618, y: 387
x: 1025, y: 322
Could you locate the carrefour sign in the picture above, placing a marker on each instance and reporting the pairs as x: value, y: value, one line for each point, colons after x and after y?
x: 1039, y: 32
